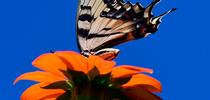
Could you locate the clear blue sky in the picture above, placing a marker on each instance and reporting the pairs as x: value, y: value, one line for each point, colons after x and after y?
x: 178, y: 52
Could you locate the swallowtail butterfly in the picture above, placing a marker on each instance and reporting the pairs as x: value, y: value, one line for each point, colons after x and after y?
x: 102, y: 24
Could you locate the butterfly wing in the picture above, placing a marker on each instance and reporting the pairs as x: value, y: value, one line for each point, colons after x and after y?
x: 107, y: 23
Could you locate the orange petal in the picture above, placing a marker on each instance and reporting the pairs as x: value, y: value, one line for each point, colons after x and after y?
x: 104, y: 66
x: 138, y: 93
x: 50, y: 99
x: 39, y: 76
x: 50, y: 63
x: 145, y: 81
x: 75, y: 61
x: 126, y: 70
x: 91, y: 62
x: 36, y: 93
x: 52, y: 96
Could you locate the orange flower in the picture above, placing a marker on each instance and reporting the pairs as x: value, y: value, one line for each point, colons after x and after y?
x: 66, y: 74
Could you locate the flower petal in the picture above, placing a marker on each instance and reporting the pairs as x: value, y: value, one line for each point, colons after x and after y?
x: 51, y: 99
x: 75, y: 61
x: 91, y: 62
x: 138, y: 93
x: 103, y: 66
x: 144, y: 81
x: 126, y: 70
x: 39, y: 76
x: 35, y: 92
x: 49, y: 62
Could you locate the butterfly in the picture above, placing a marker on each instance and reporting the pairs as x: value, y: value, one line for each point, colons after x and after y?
x: 102, y: 24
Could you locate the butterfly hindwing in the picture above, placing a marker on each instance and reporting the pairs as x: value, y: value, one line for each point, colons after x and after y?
x: 106, y: 23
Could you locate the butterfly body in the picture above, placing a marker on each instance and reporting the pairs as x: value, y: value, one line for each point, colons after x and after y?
x: 103, y: 24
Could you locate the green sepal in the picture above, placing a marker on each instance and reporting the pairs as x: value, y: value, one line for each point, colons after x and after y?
x: 93, y: 73
x: 102, y: 80
x: 65, y: 85
x: 118, y: 82
x: 79, y: 78
x: 66, y: 96
x: 67, y: 74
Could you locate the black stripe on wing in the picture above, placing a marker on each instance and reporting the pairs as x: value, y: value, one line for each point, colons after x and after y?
x: 94, y: 35
x: 83, y: 32
x: 87, y: 16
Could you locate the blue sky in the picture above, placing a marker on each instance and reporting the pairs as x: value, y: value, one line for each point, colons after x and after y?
x: 178, y: 52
